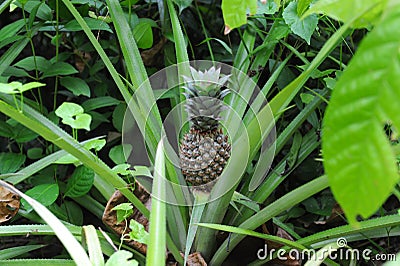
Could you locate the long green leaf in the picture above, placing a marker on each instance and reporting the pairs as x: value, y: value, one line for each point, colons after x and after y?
x: 91, y: 240
x: 8, y: 253
x: 35, y: 167
x: 41, y: 262
x: 157, y: 227
x: 4, y: 5
x: 8, y: 57
x: 236, y: 230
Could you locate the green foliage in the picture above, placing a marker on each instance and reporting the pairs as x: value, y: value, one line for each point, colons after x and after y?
x: 124, y: 211
x: 73, y: 115
x: 76, y: 85
x: 95, y: 144
x: 304, y: 28
x: 359, y: 159
x: 143, y: 34
x: 138, y: 232
x: 46, y: 194
x: 87, y: 52
x: 17, y: 87
x: 344, y: 11
x: 80, y: 182
x: 235, y: 12
x: 121, y: 257
x: 11, y: 162
x: 59, y: 69
x: 117, y: 153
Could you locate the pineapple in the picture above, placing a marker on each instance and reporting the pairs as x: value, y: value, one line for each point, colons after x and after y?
x: 204, y: 150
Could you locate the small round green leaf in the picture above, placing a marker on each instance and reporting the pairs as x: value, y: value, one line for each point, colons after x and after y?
x: 121, y: 257
x: 72, y: 115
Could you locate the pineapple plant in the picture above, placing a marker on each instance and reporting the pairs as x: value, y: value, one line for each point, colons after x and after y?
x: 204, y: 150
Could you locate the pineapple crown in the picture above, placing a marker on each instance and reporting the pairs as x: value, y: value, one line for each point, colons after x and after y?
x: 204, y: 96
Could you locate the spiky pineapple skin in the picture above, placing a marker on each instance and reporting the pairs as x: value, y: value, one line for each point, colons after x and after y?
x: 203, y: 155
x: 204, y: 150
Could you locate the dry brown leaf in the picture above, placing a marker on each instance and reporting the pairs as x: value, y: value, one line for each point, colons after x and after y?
x: 81, y: 59
x: 110, y: 216
x: 289, y: 261
x: 195, y: 259
x: 151, y: 56
x: 9, y: 204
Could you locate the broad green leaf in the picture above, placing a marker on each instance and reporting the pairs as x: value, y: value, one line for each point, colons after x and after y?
x: 35, y: 153
x: 44, y: 12
x: 94, y: 24
x: 304, y: 28
x: 68, y: 110
x: 15, y: 72
x: 80, y: 182
x: 268, y: 8
x: 23, y: 134
x: 72, y: 115
x: 235, y: 12
x: 10, y: 162
x: 302, y: 6
x: 141, y: 171
x: 122, y: 169
x: 118, y: 116
x: 143, y: 33
x: 344, y: 10
x: 59, y: 69
x: 96, y: 144
x: 31, y: 63
x: 76, y: 85
x: 17, y: 87
x: 358, y: 157
x: 182, y: 4
x: 306, y: 97
x: 117, y: 153
x: 138, y: 232
x: 6, y: 130
x: 121, y: 257
x: 124, y: 211
x: 46, y: 194
x: 99, y: 102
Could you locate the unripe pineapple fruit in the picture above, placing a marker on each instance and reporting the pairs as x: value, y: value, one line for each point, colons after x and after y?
x: 204, y: 150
